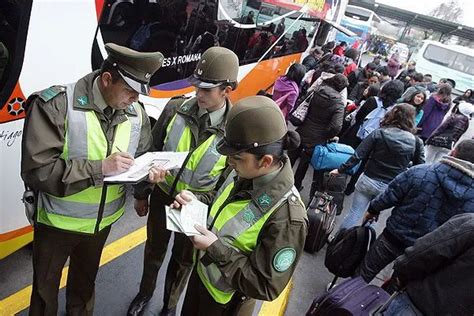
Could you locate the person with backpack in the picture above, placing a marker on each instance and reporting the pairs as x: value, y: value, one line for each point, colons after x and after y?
x: 424, y: 197
x: 323, y: 122
x: 435, y: 274
x: 442, y: 140
x: 287, y: 88
x: 389, y: 150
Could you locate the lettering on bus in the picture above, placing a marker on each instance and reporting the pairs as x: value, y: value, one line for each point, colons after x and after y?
x: 9, y: 138
x: 178, y: 60
x: 313, y: 4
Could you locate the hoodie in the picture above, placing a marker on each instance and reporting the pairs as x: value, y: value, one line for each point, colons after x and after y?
x: 426, y: 196
x: 433, y: 114
x: 285, y: 93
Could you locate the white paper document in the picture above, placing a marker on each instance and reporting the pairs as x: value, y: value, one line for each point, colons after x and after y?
x: 142, y: 165
x: 183, y: 221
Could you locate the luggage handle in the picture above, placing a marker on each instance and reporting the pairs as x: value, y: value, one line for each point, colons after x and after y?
x: 382, y: 308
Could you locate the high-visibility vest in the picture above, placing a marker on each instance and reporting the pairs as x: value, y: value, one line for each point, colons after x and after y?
x: 204, y: 167
x: 85, y: 139
x: 237, y: 225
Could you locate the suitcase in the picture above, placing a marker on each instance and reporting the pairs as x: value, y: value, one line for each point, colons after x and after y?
x: 322, y: 218
x: 335, y: 185
x: 351, y: 297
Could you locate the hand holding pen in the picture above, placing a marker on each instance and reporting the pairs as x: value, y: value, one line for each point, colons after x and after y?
x: 117, y: 163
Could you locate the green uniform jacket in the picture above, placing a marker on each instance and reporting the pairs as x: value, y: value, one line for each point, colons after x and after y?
x: 255, y: 275
x: 43, y: 141
x: 190, y: 114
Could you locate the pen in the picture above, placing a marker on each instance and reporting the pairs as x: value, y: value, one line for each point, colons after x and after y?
x: 120, y: 150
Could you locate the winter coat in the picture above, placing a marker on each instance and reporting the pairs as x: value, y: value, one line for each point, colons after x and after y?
x: 426, y: 196
x: 324, y: 118
x: 452, y: 128
x: 285, y: 87
x: 388, y: 151
x: 433, y: 114
x: 437, y: 269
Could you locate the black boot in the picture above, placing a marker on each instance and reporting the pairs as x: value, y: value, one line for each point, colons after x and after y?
x: 168, y: 311
x: 138, y: 304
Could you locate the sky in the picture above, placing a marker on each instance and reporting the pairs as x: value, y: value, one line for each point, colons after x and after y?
x: 424, y: 7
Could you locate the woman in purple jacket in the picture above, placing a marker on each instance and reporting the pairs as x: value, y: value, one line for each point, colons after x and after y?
x: 434, y: 111
x: 286, y: 90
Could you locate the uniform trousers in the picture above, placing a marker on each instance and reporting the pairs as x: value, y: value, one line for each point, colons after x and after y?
x: 181, y: 262
x: 51, y: 249
x: 198, y: 302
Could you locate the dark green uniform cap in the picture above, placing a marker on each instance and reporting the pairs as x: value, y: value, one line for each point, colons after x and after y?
x: 136, y: 68
x: 252, y: 122
x: 217, y: 66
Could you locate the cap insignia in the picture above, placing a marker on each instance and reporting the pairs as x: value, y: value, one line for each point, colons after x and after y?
x: 83, y: 100
x: 199, y: 71
x: 203, y: 61
x: 147, y: 75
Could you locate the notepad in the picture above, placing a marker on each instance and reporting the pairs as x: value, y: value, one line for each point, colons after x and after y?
x: 142, y: 165
x: 184, y: 219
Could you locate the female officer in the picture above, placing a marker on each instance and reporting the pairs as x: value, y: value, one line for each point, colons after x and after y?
x: 257, y: 223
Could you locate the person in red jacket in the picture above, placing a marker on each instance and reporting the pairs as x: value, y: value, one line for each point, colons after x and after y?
x: 339, y: 49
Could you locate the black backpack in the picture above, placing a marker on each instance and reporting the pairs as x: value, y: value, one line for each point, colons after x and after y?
x: 345, y: 253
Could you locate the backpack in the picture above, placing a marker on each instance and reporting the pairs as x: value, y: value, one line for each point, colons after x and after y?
x: 345, y: 253
x: 331, y: 156
x: 372, y: 120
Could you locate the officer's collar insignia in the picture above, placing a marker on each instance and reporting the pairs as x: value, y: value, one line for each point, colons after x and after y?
x: 83, y: 100
x: 283, y: 259
x: 185, y: 107
x: 264, y: 200
x: 248, y: 216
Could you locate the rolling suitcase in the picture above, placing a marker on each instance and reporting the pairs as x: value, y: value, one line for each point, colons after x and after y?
x: 351, y: 297
x: 322, y: 218
x: 335, y: 185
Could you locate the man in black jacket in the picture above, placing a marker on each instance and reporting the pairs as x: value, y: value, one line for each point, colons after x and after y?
x: 438, y: 272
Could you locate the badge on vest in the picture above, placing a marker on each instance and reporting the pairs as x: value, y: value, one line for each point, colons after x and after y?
x: 83, y: 100
x: 264, y: 200
x: 283, y: 259
x: 248, y: 216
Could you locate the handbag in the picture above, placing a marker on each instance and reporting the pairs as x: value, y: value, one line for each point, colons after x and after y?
x: 298, y: 115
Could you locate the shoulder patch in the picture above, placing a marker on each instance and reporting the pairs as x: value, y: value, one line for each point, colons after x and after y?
x: 283, y: 259
x: 50, y: 93
x: 296, y: 209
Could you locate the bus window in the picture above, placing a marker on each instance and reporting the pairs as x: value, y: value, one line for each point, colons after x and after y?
x: 181, y: 30
x: 14, y: 18
x: 450, y: 58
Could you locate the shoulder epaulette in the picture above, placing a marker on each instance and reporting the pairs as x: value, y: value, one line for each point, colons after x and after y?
x: 50, y: 93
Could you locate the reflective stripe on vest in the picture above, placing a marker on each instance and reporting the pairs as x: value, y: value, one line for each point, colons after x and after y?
x: 205, y: 165
x: 238, y: 226
x: 85, y: 139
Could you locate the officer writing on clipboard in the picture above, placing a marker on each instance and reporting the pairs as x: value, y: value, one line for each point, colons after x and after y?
x: 195, y: 125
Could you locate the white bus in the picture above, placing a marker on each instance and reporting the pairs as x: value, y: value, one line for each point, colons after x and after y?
x: 359, y: 20
x: 48, y: 42
x: 446, y: 61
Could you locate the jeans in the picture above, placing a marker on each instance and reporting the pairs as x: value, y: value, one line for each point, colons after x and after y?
x: 379, y: 256
x: 402, y: 305
x: 435, y: 153
x: 366, y: 189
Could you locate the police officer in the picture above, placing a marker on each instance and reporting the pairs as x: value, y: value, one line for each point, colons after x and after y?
x: 257, y: 223
x: 195, y: 125
x: 73, y: 137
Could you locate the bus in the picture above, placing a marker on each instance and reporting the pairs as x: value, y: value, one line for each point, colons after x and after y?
x: 446, y: 61
x: 359, y: 20
x: 46, y: 42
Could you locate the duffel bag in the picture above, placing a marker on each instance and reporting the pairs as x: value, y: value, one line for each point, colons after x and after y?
x: 331, y: 156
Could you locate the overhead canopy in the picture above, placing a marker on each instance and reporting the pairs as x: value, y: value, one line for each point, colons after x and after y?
x: 420, y: 20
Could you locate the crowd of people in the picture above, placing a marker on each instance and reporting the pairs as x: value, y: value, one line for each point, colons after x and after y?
x: 240, y: 163
x: 405, y: 131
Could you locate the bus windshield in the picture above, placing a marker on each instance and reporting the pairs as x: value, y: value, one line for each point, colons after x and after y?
x: 450, y: 58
